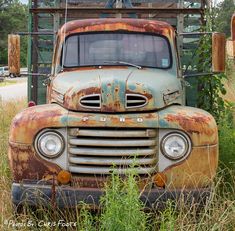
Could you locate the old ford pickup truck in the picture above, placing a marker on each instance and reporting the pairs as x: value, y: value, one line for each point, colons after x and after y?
x: 115, y: 96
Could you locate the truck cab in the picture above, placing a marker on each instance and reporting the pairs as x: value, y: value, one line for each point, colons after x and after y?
x: 115, y: 102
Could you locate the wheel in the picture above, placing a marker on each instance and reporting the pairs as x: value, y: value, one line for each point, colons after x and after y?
x: 11, y: 75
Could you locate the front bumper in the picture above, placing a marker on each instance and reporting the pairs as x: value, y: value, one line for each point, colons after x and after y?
x: 66, y: 197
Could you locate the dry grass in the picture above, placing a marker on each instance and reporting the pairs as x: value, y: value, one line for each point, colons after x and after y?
x: 7, y: 82
x: 7, y: 112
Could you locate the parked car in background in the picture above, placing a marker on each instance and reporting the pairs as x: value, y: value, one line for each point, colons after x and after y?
x: 4, y: 71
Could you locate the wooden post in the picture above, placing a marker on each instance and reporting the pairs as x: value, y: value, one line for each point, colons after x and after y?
x: 218, y: 52
x: 233, y: 27
x: 14, y: 54
x: 231, y: 42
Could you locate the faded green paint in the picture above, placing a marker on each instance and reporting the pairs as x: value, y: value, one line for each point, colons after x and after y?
x: 113, y: 94
x: 29, y: 55
x: 114, y: 83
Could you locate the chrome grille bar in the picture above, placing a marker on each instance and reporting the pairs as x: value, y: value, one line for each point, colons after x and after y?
x: 111, y: 143
x: 111, y: 161
x: 112, y: 151
x: 113, y: 133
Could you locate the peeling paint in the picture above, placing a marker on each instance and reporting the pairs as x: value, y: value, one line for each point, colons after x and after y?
x: 26, y: 165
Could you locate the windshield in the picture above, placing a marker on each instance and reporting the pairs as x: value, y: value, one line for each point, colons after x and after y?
x: 112, y: 48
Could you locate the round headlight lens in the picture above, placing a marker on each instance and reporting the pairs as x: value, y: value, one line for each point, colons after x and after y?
x: 50, y: 144
x: 175, y: 146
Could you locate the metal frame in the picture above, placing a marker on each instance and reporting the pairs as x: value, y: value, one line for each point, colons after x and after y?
x: 137, y: 10
x: 41, y: 15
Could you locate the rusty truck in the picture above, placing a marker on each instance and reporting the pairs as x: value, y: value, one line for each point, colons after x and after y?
x: 113, y: 96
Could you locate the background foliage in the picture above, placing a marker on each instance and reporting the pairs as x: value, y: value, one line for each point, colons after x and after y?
x: 13, y: 18
x: 210, y: 87
x: 223, y: 13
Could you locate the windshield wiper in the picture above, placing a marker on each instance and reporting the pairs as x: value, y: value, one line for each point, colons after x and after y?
x: 122, y: 62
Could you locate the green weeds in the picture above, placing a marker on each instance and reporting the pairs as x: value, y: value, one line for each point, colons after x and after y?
x: 122, y: 199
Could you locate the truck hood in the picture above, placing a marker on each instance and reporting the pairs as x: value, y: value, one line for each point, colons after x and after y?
x: 116, y: 89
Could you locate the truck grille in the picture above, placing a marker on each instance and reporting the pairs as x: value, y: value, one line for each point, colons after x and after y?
x: 99, y: 151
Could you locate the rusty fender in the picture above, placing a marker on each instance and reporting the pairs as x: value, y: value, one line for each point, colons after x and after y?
x: 199, y: 169
x: 24, y: 162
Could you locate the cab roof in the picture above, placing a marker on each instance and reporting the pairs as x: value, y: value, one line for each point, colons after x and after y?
x: 117, y: 24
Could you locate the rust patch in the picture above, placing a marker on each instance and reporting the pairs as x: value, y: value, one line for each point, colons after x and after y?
x: 197, y: 123
x: 101, y: 181
x: 26, y: 165
x: 113, y: 24
x: 29, y: 122
x: 113, y: 108
x: 89, y: 182
x: 71, y: 101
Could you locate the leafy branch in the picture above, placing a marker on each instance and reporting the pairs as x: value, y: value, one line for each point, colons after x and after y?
x: 211, y: 88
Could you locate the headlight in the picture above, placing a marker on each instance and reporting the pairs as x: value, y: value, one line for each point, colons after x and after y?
x: 50, y: 144
x: 175, y: 146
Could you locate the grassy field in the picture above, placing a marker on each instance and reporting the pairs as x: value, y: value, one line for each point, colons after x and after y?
x: 121, y: 208
x: 7, y: 82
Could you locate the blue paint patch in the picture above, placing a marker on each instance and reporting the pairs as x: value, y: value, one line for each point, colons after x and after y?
x: 164, y: 124
x: 132, y: 87
x: 64, y: 120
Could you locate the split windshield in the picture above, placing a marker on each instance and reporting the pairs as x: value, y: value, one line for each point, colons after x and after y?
x: 113, y: 48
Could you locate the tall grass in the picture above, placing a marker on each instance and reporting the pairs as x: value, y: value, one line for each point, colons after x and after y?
x: 227, y: 146
x: 7, y: 112
x: 121, y: 208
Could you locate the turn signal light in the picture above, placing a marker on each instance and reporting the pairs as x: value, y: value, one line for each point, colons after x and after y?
x: 64, y: 177
x: 160, y: 179
x: 31, y: 104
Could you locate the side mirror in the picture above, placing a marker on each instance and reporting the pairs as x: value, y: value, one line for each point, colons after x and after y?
x: 218, y: 52
x: 14, y: 54
x: 231, y: 42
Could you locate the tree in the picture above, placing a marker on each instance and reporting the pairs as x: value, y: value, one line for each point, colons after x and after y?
x: 13, y: 18
x: 224, y: 13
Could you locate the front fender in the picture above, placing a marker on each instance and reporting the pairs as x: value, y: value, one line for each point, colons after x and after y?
x: 198, y: 124
x: 199, y: 168
x: 30, y: 121
x: 24, y: 162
